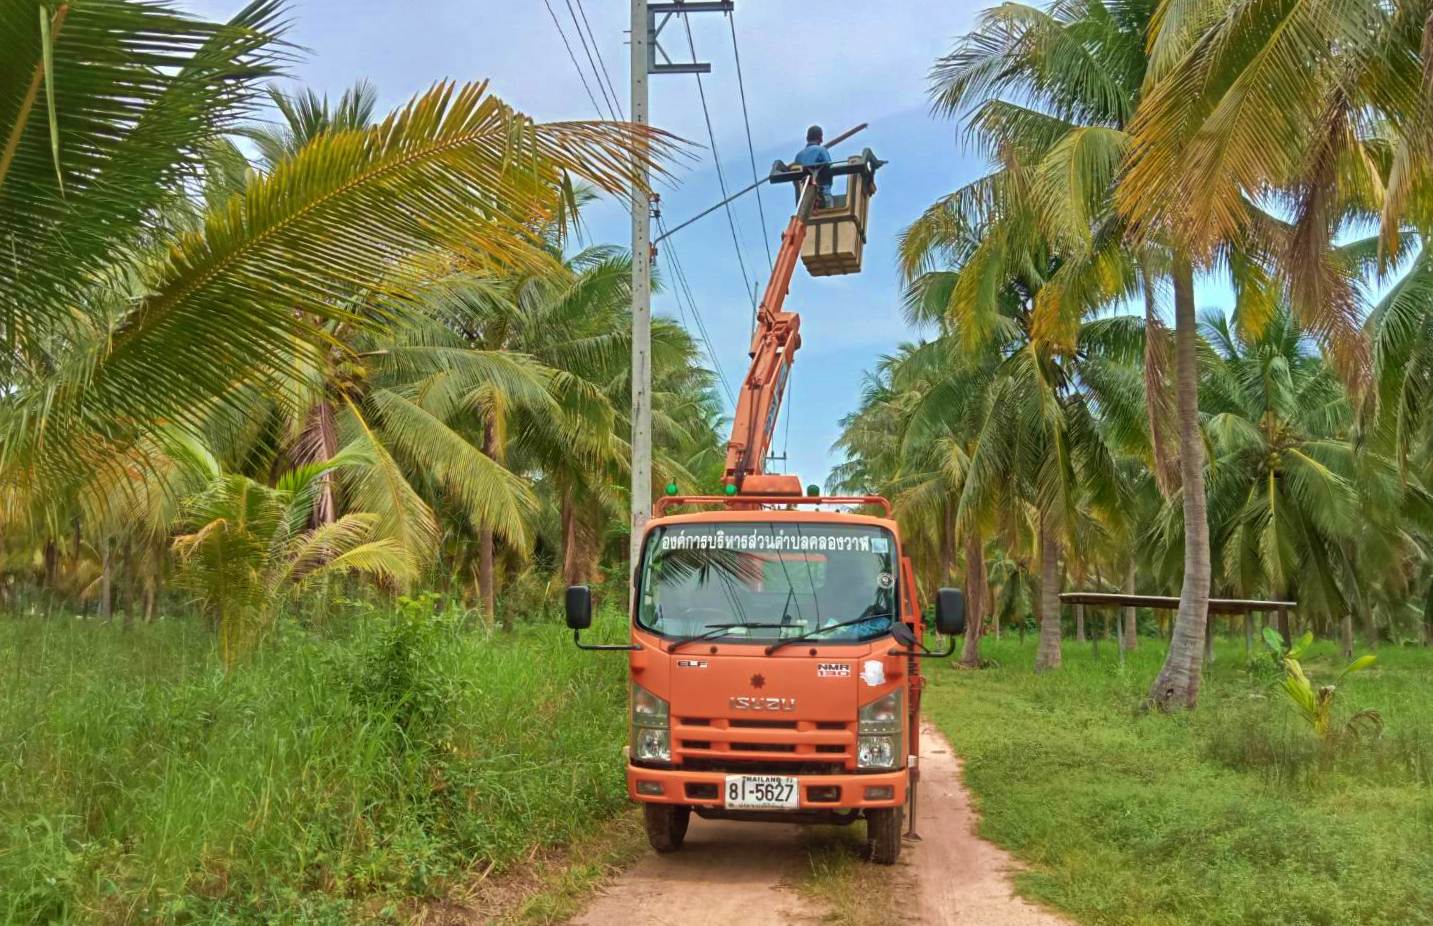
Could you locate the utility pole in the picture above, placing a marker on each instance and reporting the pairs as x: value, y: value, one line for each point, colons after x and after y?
x: 641, y: 293
x: 646, y: 29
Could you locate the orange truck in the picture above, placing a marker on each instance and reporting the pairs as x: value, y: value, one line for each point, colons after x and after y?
x: 776, y: 635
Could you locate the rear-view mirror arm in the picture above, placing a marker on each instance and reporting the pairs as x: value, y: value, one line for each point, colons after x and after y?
x: 627, y: 647
x: 924, y: 652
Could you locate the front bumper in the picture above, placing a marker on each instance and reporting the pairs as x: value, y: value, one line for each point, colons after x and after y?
x: 816, y: 792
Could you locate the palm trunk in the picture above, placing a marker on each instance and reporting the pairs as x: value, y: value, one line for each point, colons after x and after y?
x: 1047, y: 655
x: 325, y: 441
x: 487, y: 588
x: 571, y: 556
x: 1156, y: 391
x: 1177, y: 685
x: 130, y: 594
x: 947, y: 546
x: 1079, y: 622
x: 1370, y: 628
x: 977, y: 594
x: 1347, y: 635
x: 151, y: 592
x: 52, y: 574
x: 106, y: 580
x: 1131, y: 615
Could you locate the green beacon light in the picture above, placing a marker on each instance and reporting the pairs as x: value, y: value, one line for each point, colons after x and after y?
x: 813, y: 490
x: 672, y: 488
x: 730, y: 488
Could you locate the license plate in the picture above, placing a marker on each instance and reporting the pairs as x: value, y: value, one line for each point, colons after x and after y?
x: 761, y: 792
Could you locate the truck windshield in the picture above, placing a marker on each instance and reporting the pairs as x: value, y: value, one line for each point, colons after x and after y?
x: 791, y: 578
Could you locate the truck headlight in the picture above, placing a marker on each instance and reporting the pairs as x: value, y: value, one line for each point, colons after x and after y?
x: 651, y: 738
x: 877, y: 751
x: 879, y: 732
x: 651, y: 745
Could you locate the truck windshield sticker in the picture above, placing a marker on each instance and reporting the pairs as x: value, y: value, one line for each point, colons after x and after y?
x: 764, y: 540
x: 772, y: 580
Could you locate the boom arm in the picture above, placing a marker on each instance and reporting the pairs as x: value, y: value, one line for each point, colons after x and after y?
x: 773, y: 348
x: 778, y: 335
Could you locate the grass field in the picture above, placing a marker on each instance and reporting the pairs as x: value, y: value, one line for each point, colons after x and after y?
x: 327, y: 781
x: 1231, y: 815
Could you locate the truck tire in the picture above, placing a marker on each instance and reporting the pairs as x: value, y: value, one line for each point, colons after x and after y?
x: 666, y: 825
x: 883, y: 834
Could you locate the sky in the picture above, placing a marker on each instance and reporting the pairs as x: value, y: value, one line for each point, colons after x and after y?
x: 842, y: 63
x: 838, y: 64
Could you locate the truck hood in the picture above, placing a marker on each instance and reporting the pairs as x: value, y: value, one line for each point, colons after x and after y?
x: 822, y: 688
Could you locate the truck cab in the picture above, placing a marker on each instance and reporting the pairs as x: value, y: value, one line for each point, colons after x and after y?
x: 774, y: 661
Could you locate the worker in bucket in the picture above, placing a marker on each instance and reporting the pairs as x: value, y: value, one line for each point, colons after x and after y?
x: 813, y: 157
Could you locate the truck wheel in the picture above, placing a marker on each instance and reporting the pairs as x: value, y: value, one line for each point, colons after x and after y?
x: 666, y: 825
x: 883, y: 834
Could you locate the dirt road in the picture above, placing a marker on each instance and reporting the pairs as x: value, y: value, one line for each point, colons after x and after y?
x: 747, y: 873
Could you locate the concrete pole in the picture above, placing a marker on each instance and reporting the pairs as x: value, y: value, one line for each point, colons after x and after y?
x: 641, y: 297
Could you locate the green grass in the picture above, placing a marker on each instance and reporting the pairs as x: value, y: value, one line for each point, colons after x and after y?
x: 327, y: 780
x: 1233, y: 814
x: 839, y: 878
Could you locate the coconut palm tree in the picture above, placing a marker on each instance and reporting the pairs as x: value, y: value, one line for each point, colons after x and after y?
x: 121, y: 323
x: 1050, y: 94
x: 250, y: 546
x: 1320, y: 107
x: 1283, y: 500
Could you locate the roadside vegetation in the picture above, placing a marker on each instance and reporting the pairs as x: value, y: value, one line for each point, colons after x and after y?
x: 342, y: 775
x: 1238, y: 813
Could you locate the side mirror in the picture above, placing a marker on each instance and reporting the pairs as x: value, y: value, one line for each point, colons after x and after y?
x: 950, y: 611
x: 579, y: 607
x: 903, y: 635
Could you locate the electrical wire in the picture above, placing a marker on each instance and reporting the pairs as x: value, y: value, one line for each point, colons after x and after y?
x: 682, y: 288
x: 716, y: 161
x: 750, y: 148
x: 582, y: 75
x: 581, y: 37
x: 787, y: 400
x: 680, y: 274
x: 598, y: 49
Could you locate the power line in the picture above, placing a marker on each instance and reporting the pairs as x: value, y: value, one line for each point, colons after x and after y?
x: 580, y: 73
x: 683, y: 287
x: 601, y: 87
x: 790, y: 397
x: 716, y: 160
x: 750, y: 148
x: 598, y: 49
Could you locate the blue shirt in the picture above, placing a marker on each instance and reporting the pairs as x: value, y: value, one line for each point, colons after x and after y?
x: 813, y: 155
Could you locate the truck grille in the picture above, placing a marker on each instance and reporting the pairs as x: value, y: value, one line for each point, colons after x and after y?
x: 763, y: 746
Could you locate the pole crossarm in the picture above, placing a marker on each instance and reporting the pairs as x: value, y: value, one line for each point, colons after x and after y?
x: 1171, y: 603
x: 654, y: 31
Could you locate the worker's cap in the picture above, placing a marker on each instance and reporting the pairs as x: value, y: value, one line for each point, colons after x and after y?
x: 813, y: 134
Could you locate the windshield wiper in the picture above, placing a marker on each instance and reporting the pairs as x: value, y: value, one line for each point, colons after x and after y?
x: 810, y: 634
x: 713, y: 631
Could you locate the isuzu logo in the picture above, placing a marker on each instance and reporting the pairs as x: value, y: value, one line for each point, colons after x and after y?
x: 745, y: 703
